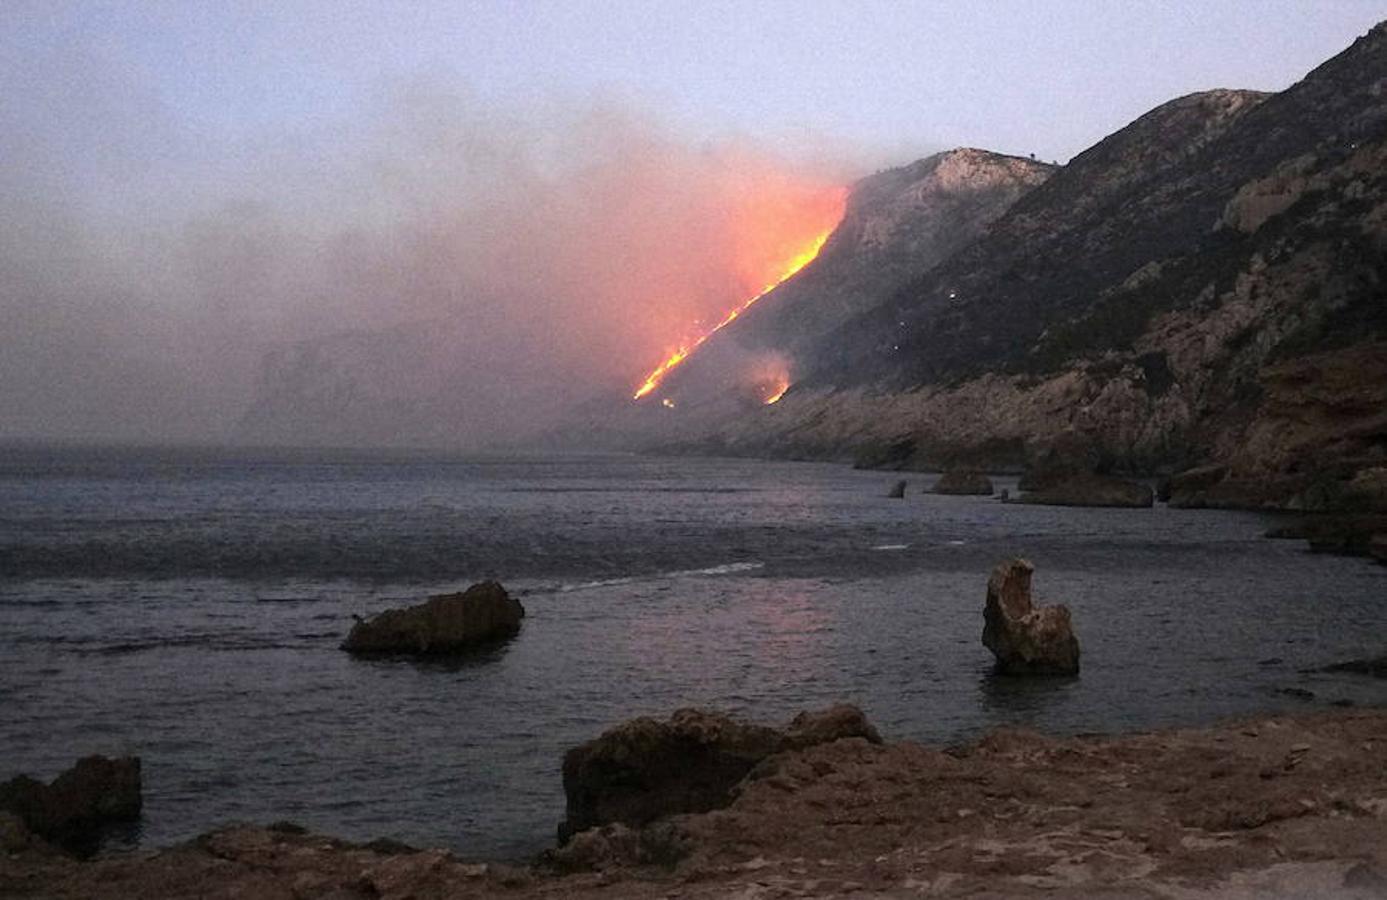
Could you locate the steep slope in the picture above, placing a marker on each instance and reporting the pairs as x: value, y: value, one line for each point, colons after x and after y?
x: 1176, y: 295
x: 897, y: 225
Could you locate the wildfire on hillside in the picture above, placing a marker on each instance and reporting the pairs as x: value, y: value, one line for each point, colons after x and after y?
x: 803, y: 246
x: 777, y: 391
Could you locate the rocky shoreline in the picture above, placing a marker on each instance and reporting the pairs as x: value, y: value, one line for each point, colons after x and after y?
x: 1288, y: 806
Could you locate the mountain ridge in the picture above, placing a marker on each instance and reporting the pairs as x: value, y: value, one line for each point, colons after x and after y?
x: 1130, y: 313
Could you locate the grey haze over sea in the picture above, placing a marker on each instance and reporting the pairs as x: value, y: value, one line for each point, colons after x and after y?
x: 187, y: 606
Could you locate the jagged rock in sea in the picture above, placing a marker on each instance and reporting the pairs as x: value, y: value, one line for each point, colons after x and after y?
x: 444, y: 624
x: 644, y: 769
x: 897, y: 491
x: 1090, y: 490
x: 1201, y: 287
x: 1026, y: 639
x: 71, y: 810
x: 963, y: 481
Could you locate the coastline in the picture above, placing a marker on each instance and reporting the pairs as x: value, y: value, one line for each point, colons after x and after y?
x: 1283, y: 806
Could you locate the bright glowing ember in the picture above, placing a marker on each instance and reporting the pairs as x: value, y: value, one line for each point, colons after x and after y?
x: 805, y: 255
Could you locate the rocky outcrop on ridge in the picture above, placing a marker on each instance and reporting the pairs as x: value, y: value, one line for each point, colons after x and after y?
x: 445, y: 624
x: 71, y: 810
x: 644, y: 769
x: 1026, y: 639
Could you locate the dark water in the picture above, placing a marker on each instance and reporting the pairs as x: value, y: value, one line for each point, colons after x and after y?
x: 187, y: 607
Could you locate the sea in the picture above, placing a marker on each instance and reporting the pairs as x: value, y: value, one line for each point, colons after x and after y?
x: 187, y: 606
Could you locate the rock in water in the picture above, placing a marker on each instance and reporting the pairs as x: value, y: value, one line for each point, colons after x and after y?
x: 897, y: 491
x: 1091, y: 490
x: 963, y: 482
x: 644, y: 769
x: 447, y: 623
x: 71, y: 810
x: 1027, y: 640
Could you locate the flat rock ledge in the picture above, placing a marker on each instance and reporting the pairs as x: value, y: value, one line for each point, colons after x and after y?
x: 964, y: 482
x: 1026, y: 639
x: 1283, y: 807
x: 444, y: 624
x: 1090, y: 490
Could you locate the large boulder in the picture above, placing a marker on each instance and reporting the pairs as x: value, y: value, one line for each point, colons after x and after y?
x: 1026, y: 639
x: 644, y: 769
x: 71, y: 810
x: 1091, y: 490
x: 964, y: 481
x: 447, y: 623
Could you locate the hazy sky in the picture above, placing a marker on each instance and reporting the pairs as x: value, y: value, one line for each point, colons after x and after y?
x: 1043, y: 77
x: 187, y: 185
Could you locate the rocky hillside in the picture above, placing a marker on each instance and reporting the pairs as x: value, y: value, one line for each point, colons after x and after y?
x: 1205, y: 285
x: 898, y: 224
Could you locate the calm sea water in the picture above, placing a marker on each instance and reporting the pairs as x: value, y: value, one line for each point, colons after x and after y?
x: 188, y: 606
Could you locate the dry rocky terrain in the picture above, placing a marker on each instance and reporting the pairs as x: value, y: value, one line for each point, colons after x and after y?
x: 1277, y: 807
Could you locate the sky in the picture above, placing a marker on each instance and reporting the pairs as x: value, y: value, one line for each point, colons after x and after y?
x: 191, y: 185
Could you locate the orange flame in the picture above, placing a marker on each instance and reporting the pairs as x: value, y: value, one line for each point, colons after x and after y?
x: 778, y: 390
x: 788, y: 269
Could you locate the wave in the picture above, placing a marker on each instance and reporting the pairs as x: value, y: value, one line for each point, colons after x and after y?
x: 723, y: 569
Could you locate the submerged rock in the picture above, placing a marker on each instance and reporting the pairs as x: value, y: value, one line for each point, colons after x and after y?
x: 1376, y: 667
x: 71, y: 810
x: 963, y: 481
x: 447, y: 623
x: 644, y: 769
x: 897, y: 491
x: 1026, y: 639
x: 1091, y: 490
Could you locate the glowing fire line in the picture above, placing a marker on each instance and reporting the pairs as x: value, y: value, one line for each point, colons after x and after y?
x: 653, y: 380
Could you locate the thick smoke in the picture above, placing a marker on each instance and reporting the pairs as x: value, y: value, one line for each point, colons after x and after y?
x: 434, y: 271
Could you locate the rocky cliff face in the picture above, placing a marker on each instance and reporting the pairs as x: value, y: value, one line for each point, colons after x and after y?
x: 1205, y: 284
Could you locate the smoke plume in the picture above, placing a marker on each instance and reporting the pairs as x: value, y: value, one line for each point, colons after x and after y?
x: 431, y: 271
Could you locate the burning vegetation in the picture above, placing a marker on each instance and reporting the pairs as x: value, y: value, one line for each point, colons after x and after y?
x: 799, y: 240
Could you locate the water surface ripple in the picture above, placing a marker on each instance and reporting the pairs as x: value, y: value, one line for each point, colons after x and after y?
x: 187, y: 606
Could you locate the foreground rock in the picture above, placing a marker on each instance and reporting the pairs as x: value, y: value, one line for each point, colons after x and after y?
x: 1026, y: 639
x: 445, y: 624
x: 72, y: 809
x: 644, y: 769
x: 964, y: 482
x: 1286, y: 807
x: 1091, y: 490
